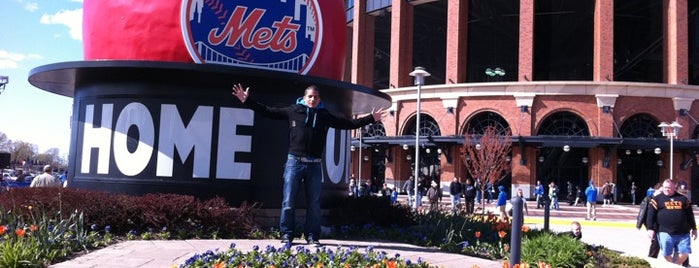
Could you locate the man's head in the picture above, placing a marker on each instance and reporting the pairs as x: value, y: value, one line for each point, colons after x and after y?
x: 47, y: 168
x: 311, y: 96
x: 669, y: 187
x: 575, y: 228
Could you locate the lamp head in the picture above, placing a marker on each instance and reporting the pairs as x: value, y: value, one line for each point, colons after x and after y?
x: 419, y: 73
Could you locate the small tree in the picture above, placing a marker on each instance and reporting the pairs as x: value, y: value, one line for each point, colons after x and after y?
x: 486, y: 156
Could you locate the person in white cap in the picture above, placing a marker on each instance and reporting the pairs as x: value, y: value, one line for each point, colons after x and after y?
x: 46, y: 179
x: 434, y: 195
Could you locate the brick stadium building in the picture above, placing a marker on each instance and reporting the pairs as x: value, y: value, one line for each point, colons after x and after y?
x: 593, y: 77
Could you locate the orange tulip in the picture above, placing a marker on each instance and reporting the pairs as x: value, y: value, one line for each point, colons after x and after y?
x: 20, y: 232
x: 3, y: 229
x: 33, y: 228
x: 525, y: 228
x: 506, y: 264
x: 502, y: 234
x: 392, y: 264
x: 478, y: 234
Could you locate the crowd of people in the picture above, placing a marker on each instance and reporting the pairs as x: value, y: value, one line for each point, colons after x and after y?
x: 664, y: 211
x: 48, y: 177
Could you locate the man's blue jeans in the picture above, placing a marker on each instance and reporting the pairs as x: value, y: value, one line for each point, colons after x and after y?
x: 296, y: 174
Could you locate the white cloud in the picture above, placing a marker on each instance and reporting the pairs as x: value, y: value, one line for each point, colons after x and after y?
x: 73, y: 19
x: 28, y: 5
x: 9, y: 60
x: 31, y: 6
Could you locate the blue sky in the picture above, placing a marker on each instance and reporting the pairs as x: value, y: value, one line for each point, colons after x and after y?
x: 36, y: 33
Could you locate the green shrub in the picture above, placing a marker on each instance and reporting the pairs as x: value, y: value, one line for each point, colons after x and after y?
x: 558, y: 250
x: 606, y: 258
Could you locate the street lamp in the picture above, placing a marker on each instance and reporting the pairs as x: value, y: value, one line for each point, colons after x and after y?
x: 493, y: 72
x: 670, y: 130
x: 419, y: 73
x: 4, y: 80
x: 359, y: 158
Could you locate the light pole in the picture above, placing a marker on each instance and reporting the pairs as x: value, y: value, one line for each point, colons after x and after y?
x: 4, y: 80
x: 670, y: 130
x: 419, y: 73
x: 359, y: 159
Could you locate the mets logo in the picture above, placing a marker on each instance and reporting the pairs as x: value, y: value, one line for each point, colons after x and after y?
x: 280, y: 35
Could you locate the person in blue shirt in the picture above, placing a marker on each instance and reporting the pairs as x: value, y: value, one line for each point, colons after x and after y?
x: 650, y: 191
x: 591, y: 194
x: 539, y: 192
x: 502, y: 203
x: 64, y: 178
x: 394, y: 196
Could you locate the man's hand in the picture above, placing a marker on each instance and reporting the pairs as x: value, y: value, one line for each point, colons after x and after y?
x: 241, y: 94
x: 378, y: 115
x: 651, y: 234
x: 694, y: 234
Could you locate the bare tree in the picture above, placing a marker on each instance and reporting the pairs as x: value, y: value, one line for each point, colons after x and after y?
x: 486, y: 156
x: 23, y: 153
x: 26, y: 155
x: 5, y: 143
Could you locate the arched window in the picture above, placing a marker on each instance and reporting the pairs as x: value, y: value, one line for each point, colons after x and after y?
x: 640, y: 126
x: 481, y: 121
x: 563, y: 124
x: 375, y: 130
x: 428, y: 126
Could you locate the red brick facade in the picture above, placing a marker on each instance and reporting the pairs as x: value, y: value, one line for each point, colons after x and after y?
x: 586, y: 99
